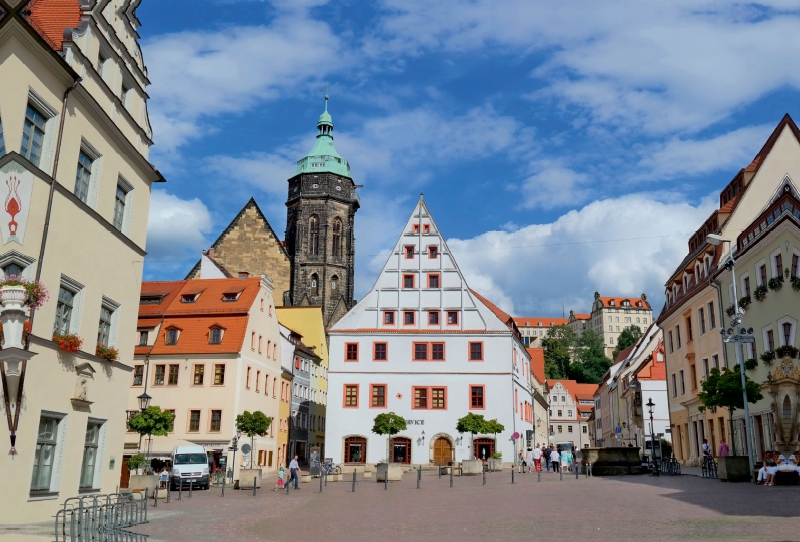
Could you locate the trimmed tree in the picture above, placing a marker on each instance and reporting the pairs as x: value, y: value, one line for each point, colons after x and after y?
x: 494, y: 427
x: 724, y: 389
x: 152, y: 422
x: 472, y: 423
x: 388, y: 423
x: 253, y: 425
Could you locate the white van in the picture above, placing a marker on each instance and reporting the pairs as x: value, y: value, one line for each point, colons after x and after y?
x: 189, y: 464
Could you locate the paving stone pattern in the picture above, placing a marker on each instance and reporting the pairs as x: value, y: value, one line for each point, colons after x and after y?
x: 619, y: 508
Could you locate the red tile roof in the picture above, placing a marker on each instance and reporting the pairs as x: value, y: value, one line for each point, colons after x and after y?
x: 731, y: 205
x: 537, y: 363
x: 504, y: 317
x: 537, y: 321
x: 618, y: 301
x: 765, y: 150
x: 50, y: 17
x: 193, y: 337
x: 624, y: 354
x: 578, y: 391
x: 581, y: 316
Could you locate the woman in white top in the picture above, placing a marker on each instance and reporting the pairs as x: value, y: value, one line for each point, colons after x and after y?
x: 566, y: 459
x: 529, y: 459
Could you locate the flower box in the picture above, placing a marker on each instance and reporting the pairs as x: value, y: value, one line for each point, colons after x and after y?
x: 760, y: 293
x: 775, y: 283
x: 107, y: 353
x: 68, y: 342
x: 32, y: 294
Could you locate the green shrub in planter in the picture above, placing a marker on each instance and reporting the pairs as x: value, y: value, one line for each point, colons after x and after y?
x: 136, y: 462
x: 760, y: 293
x: 775, y: 283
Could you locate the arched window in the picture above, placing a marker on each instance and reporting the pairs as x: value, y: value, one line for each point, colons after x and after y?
x: 337, y: 237
x: 334, y: 282
x: 314, y: 284
x: 313, y: 235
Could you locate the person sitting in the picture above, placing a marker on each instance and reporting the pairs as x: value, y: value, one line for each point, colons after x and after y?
x: 763, y: 472
x: 772, y: 471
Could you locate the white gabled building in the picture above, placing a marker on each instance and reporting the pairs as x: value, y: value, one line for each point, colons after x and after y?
x: 423, y: 345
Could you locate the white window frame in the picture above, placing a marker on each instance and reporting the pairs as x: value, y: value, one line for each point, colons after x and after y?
x: 97, y: 478
x: 112, y: 306
x: 58, y: 459
x: 792, y: 333
x: 765, y: 339
x: 758, y: 265
x: 25, y: 262
x: 742, y: 289
x: 77, y: 289
x: 123, y: 183
x: 94, y: 178
x: 51, y: 115
x: 773, y: 269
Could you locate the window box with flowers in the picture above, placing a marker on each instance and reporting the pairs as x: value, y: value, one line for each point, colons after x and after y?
x: 786, y: 351
x: 69, y: 342
x: 775, y: 283
x: 730, y: 311
x: 107, y: 353
x: 768, y: 357
x: 745, y: 302
x: 795, y: 281
x: 760, y: 293
x: 750, y: 364
x: 30, y: 293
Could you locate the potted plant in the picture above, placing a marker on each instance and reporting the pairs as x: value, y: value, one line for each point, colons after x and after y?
x: 69, y: 342
x: 775, y: 283
x: 786, y: 351
x: 151, y: 422
x: 389, y: 424
x: 107, y: 353
x: 724, y: 389
x: 760, y: 293
x: 138, y: 480
x: 29, y: 293
x: 750, y: 364
x: 768, y: 357
x: 472, y: 423
x: 795, y: 282
x: 252, y: 424
x: 744, y: 302
x: 730, y: 311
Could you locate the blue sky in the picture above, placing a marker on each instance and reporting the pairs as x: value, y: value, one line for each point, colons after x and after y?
x: 563, y: 147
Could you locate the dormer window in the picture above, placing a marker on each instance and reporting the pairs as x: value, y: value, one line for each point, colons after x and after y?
x: 189, y: 298
x: 150, y: 300
x: 230, y: 296
x: 215, y: 335
x: 611, y: 303
x: 171, y: 336
x: 638, y: 303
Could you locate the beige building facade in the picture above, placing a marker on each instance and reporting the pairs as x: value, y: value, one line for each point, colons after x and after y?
x: 611, y: 315
x: 209, y: 350
x: 80, y: 185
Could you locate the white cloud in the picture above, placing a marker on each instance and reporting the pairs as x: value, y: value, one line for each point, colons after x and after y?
x: 660, y: 67
x: 554, y: 185
x: 620, y: 246
x: 177, y: 228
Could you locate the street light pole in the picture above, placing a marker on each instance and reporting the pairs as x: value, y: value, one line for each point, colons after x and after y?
x: 737, y: 337
x: 650, y: 406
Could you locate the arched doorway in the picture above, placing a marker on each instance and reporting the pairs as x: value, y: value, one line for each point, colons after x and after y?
x: 483, y: 448
x: 355, y: 450
x: 401, y: 450
x: 442, y: 451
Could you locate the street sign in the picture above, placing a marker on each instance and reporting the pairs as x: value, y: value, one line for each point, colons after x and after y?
x: 245, y: 448
x: 515, y: 436
x: 618, y: 430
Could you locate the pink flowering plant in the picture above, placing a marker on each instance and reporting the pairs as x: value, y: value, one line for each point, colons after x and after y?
x: 36, y: 292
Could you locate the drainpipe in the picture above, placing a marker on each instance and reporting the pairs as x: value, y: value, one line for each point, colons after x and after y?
x: 53, y: 182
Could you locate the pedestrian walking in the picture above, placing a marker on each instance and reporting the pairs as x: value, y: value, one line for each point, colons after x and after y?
x: 723, y: 450
x: 555, y: 459
x: 547, y: 452
x: 566, y: 459
x: 529, y: 459
x: 279, y: 481
x: 293, y: 469
x: 537, y: 458
x: 521, y: 457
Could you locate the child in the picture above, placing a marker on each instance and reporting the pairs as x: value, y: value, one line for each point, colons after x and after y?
x: 279, y: 483
x: 164, y: 477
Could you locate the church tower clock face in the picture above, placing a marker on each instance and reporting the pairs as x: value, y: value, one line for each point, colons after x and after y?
x: 320, y: 238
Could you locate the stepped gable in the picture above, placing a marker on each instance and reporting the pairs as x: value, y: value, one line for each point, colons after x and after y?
x: 250, y: 244
x: 391, y: 293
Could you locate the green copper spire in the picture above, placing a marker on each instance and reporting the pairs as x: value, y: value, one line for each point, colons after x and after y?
x: 323, y: 158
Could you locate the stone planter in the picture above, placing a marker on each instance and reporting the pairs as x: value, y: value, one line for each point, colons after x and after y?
x: 246, y: 478
x: 472, y: 467
x: 613, y: 461
x: 394, y: 471
x: 495, y: 464
x: 143, y: 481
x: 734, y: 469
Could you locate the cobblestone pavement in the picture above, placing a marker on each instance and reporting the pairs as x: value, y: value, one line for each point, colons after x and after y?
x: 619, y: 508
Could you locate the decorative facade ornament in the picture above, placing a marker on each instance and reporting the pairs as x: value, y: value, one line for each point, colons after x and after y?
x: 16, y: 190
x: 84, y: 375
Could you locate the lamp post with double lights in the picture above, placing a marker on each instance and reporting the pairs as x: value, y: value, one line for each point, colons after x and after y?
x: 650, y: 407
x: 737, y: 336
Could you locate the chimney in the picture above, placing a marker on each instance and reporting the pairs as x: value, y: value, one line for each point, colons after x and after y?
x: 210, y: 253
x: 244, y: 274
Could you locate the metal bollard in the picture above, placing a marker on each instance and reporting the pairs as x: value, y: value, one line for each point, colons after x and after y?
x: 223, y: 486
x: 439, y: 468
x: 512, y: 475
x: 419, y: 476
x: 320, y: 482
x: 169, y: 491
x: 191, y: 483
x: 180, y: 489
x: 326, y: 479
x: 560, y: 474
x: 386, y: 480
x: 354, y: 481
x: 286, y: 485
x: 484, y: 477
x: 451, y: 476
x: 255, y: 482
x: 577, y: 471
x: 155, y: 498
x: 538, y: 476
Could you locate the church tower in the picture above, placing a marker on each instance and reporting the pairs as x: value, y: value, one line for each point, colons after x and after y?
x: 320, y: 216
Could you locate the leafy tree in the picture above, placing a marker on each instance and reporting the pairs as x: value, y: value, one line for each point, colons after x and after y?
x: 558, y: 344
x: 152, y: 422
x: 388, y: 423
x: 473, y: 423
x: 627, y: 338
x: 591, y: 362
x: 724, y: 389
x: 136, y: 462
x: 494, y: 427
x: 253, y: 425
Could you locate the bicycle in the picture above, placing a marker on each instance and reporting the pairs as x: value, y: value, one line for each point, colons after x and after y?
x: 709, y: 467
x: 328, y: 467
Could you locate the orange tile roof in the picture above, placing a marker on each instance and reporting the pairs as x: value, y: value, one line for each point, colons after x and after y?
x: 500, y: 313
x: 168, y: 290
x: 148, y: 322
x: 537, y: 363
x: 581, y: 316
x: 578, y: 391
x: 51, y: 17
x: 624, y: 354
x: 210, y: 299
x: 731, y: 205
x: 536, y: 321
x: 618, y: 301
x: 193, y: 337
